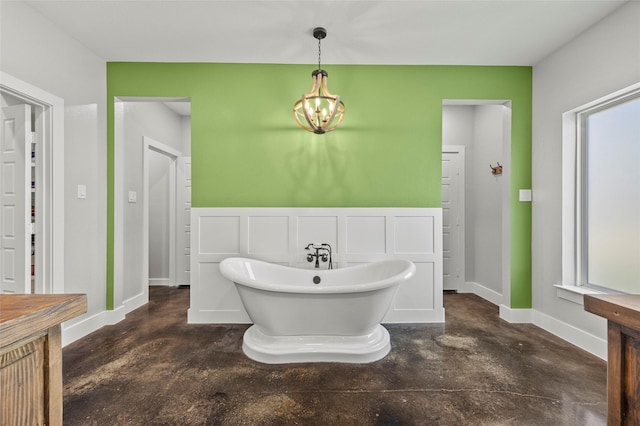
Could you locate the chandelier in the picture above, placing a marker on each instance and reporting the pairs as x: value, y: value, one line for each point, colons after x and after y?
x: 319, y: 111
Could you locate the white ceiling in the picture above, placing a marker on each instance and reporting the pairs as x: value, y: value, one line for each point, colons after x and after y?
x: 445, y: 32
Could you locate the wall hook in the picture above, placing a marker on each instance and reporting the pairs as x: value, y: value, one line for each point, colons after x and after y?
x: 497, y: 170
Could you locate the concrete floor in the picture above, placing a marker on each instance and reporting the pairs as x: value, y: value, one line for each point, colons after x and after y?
x: 155, y: 369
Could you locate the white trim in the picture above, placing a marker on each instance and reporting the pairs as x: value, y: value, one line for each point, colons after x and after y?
x: 53, y: 177
x: 516, y: 316
x: 506, y: 203
x: 573, y: 293
x: 78, y: 330
x: 571, y: 194
x: 482, y: 291
x: 475, y: 102
x: 571, y: 334
x: 183, y: 224
x: 199, y: 316
x: 118, y: 203
x: 135, y: 302
x: 462, y: 169
x: 160, y: 281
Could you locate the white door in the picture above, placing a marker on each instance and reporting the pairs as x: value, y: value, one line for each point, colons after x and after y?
x: 15, y: 199
x: 452, y: 220
x: 184, y: 221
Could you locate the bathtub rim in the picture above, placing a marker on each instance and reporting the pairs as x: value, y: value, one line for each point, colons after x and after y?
x: 240, y: 279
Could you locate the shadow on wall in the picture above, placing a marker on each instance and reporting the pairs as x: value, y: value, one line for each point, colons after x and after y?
x: 314, y: 167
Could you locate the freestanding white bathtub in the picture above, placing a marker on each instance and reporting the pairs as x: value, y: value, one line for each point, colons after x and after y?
x: 313, y: 315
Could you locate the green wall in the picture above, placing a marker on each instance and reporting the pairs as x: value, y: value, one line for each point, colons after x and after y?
x: 247, y: 150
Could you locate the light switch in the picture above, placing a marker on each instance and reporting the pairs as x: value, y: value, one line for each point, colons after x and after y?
x: 133, y: 196
x: 525, y: 195
x: 82, y: 191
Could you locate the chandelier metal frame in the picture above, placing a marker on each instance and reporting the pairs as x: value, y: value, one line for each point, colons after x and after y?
x: 319, y: 111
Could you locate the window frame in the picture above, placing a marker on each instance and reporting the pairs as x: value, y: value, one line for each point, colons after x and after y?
x: 574, y: 244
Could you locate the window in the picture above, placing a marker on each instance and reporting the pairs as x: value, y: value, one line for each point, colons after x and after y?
x: 603, y: 187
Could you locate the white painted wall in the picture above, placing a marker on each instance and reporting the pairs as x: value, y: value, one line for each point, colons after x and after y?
x: 186, y: 136
x: 154, y: 120
x: 37, y: 52
x: 603, y: 59
x: 480, y: 129
x: 486, y: 196
x: 159, y: 241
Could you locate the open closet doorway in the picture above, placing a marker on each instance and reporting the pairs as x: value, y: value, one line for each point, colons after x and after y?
x: 31, y: 190
x: 476, y: 138
x: 152, y: 144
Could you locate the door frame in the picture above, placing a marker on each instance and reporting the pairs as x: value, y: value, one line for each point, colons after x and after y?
x: 50, y: 171
x: 183, y: 222
x: 460, y: 151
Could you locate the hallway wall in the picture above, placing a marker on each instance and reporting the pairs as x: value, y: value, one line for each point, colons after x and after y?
x: 486, y: 196
x: 39, y: 53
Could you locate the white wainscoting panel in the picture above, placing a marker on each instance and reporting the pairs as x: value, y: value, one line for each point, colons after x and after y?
x: 279, y: 235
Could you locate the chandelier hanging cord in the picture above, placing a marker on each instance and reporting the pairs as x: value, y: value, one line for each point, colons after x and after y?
x: 319, y: 33
x: 319, y: 51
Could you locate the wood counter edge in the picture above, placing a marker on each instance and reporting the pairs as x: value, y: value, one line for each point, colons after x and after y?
x: 35, y: 313
x: 621, y: 309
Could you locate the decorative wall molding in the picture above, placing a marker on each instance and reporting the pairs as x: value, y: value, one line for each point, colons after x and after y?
x: 279, y: 235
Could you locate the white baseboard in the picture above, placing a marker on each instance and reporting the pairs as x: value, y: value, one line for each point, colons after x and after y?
x: 76, y: 331
x: 417, y: 316
x: 482, y: 291
x: 516, y: 315
x: 135, y: 302
x: 160, y: 281
x: 195, y: 316
x: 571, y: 334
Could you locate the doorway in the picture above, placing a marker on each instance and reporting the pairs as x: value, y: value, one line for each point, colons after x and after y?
x: 476, y: 137
x: 32, y: 193
x: 151, y: 136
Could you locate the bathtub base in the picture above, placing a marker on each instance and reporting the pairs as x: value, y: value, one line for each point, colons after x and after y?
x: 290, y: 349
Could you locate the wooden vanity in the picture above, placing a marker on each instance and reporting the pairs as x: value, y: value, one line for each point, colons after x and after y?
x: 623, y: 371
x: 31, y: 356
